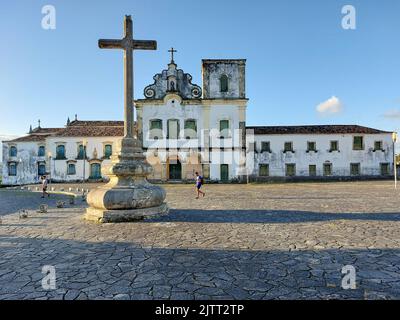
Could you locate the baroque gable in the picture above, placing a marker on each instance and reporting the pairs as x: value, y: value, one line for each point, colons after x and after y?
x: 172, y: 80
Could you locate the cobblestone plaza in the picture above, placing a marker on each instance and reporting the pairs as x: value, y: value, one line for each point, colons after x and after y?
x: 275, y: 241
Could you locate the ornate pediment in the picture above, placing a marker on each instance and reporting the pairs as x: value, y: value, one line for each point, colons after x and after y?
x: 175, y: 81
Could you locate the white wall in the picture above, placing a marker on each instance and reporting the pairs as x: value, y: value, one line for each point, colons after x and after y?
x: 58, y: 170
x: 27, y: 162
x: 369, y: 160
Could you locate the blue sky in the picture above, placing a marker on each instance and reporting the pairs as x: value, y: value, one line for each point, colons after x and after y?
x: 298, y: 56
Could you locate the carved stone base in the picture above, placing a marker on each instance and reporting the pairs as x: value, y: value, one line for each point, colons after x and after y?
x: 114, y: 216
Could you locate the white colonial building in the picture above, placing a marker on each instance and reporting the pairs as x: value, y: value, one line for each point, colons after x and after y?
x: 315, y: 152
x: 186, y: 128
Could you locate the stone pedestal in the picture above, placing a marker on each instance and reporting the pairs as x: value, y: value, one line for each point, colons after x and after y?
x: 128, y: 196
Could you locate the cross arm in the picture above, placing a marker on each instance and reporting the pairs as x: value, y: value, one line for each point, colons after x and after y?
x: 110, y: 44
x: 145, y: 44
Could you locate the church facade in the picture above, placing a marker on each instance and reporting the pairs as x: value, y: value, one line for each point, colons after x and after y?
x: 186, y: 128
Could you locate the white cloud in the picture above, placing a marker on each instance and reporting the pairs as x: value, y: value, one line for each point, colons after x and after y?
x: 330, y: 106
x: 392, y: 114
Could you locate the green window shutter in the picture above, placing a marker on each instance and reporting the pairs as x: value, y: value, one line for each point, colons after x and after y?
x: 223, y: 125
x: 327, y: 169
x: 224, y: 128
x: 265, y: 146
x: 107, y: 151
x: 155, y: 129
x: 264, y: 170
x: 358, y: 143
x: 290, y: 170
x: 223, y: 83
x: 312, y: 170
x: 288, y: 146
x: 190, y: 129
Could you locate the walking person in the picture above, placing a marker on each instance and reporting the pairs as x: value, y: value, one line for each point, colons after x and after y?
x: 199, y: 183
x: 44, y: 187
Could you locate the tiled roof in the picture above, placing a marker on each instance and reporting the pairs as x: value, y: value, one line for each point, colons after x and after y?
x: 316, y: 129
x: 97, y: 123
x: 29, y: 138
x: 77, y: 128
x: 38, y: 134
x: 91, y: 131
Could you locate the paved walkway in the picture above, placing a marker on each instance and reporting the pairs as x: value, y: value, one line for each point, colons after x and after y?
x: 283, y: 241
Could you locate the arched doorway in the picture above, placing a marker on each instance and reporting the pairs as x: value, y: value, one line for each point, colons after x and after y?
x: 175, y: 170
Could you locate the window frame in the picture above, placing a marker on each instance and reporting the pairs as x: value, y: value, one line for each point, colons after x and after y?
x: 57, y: 152
x: 223, y: 83
x: 357, y: 165
x: 81, y: 149
x: 358, y: 148
x: 337, y: 145
x: 156, y: 137
x: 10, y: 153
x: 227, y: 130
x: 313, y: 149
x: 315, y: 170
x: 388, y: 168
x: 68, y: 169
x: 41, y: 154
x: 381, y: 145
x: 105, y: 154
x: 327, y: 165
x: 168, y: 129
x: 9, y: 165
x: 287, y: 165
x: 265, y: 165
x: 268, y: 149
x: 285, y: 150
x: 185, y: 128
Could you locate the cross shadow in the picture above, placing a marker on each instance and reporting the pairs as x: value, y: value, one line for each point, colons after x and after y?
x: 267, y: 216
x: 88, y: 270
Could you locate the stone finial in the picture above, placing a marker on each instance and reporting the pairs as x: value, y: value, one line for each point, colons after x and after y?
x: 39, y: 124
x: 76, y: 117
x: 68, y: 121
x: 30, y: 129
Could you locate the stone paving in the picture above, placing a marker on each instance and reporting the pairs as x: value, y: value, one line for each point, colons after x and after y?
x: 277, y: 241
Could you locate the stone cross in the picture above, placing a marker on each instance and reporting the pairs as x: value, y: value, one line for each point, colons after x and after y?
x: 172, y: 50
x: 128, y: 44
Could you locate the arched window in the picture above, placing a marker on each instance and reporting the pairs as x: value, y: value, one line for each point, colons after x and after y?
x: 223, y: 82
x: 107, y: 151
x: 41, y: 151
x: 155, y: 129
x: 173, y: 129
x: 60, y: 152
x: 190, y: 129
x: 13, y: 151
